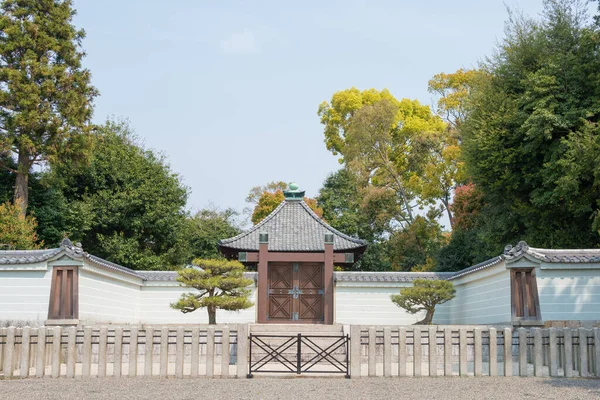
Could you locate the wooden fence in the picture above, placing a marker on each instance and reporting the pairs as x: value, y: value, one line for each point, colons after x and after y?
x: 222, y: 351
x: 456, y: 351
x: 118, y: 351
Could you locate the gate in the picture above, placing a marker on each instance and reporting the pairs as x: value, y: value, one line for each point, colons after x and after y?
x: 298, y: 354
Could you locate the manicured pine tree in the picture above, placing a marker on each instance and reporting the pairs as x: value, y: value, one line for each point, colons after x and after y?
x: 219, y: 284
x: 424, y: 295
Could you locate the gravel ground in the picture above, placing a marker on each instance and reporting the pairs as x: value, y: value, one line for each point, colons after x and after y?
x: 301, y: 388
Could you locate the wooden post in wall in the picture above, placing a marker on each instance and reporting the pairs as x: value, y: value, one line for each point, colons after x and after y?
x: 263, y: 262
x: 328, y: 280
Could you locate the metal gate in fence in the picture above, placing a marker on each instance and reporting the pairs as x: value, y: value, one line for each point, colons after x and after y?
x: 298, y: 354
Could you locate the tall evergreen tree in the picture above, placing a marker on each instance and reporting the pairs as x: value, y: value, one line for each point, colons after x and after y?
x: 531, y: 137
x: 45, y: 94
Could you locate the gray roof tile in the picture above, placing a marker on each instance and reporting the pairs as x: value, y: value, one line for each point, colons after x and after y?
x: 292, y: 226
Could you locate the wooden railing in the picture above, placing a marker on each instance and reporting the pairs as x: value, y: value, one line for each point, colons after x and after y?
x: 222, y: 351
x: 474, y: 351
x: 124, y: 351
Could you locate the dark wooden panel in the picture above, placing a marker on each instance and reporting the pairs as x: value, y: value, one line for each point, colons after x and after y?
x: 64, y: 293
x: 280, y: 307
x: 311, y: 307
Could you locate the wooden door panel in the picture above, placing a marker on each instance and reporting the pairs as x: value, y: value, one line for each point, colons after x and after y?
x: 280, y: 307
x: 311, y: 307
x: 295, y: 292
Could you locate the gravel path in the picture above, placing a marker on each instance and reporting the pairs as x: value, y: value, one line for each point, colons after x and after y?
x: 301, y: 388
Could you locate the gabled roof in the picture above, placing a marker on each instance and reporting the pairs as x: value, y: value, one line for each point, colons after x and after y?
x: 292, y: 226
x: 512, y: 254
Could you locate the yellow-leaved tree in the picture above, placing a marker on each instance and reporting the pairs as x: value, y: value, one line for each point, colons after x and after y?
x: 17, y: 231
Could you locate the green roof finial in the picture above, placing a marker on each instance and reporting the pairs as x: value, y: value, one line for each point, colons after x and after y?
x: 293, y: 192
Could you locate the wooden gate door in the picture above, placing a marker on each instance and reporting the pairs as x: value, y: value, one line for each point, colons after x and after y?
x: 295, y: 292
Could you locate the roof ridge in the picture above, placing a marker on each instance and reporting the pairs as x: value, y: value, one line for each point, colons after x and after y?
x: 329, y: 227
x: 255, y: 227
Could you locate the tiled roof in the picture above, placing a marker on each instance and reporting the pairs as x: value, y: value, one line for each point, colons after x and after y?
x: 171, y: 276
x: 550, y: 255
x: 477, y: 267
x: 292, y: 226
x: 388, y: 276
x: 27, y: 256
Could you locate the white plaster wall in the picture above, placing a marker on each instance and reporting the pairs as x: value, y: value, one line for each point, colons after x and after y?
x: 569, y: 294
x: 369, y: 303
x: 25, y: 294
x: 482, y: 297
x: 108, y: 299
x: 156, y: 297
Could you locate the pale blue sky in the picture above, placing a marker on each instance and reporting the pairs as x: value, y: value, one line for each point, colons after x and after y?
x: 229, y: 91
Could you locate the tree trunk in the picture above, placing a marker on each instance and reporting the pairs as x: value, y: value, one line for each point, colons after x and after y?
x: 22, y: 181
x: 212, y: 315
x: 450, y: 217
x: 428, y: 318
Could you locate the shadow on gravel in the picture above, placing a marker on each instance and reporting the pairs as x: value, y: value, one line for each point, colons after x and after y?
x: 591, y: 384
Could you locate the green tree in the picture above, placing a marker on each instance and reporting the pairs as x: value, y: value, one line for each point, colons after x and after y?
x: 207, y: 227
x: 16, y: 230
x: 45, y: 94
x: 415, y: 247
x: 347, y: 209
x: 531, y: 132
x: 126, y: 205
x: 219, y: 284
x: 398, y: 145
x: 424, y: 295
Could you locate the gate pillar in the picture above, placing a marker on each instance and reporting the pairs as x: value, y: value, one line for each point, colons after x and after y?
x: 263, y: 262
x: 328, y: 306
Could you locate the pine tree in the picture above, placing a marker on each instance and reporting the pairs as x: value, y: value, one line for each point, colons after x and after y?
x: 424, y: 295
x: 220, y: 284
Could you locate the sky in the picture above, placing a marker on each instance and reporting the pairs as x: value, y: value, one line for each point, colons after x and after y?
x: 228, y: 91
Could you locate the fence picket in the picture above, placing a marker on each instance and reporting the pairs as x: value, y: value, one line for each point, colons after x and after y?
x: 40, y: 355
x: 568, y: 345
x: 102, y: 349
x: 432, y: 351
x: 195, y: 349
x: 164, y: 352
x: 448, y: 352
x: 9, y: 348
x: 417, y: 352
x: 210, y: 351
x: 56, y: 350
x: 401, y: 351
x: 552, y: 353
x: 493, y: 352
x: 538, y: 348
x: 133, y: 351
x: 25, y: 344
x: 148, y: 350
x: 583, y: 353
x: 522, y: 352
x: 372, y: 352
x: 118, y: 352
x: 225, y: 352
x: 462, y: 344
x: 179, y: 352
x: 71, y: 351
x: 507, y: 352
x: 242, y: 350
x: 477, y: 352
x: 387, y: 351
